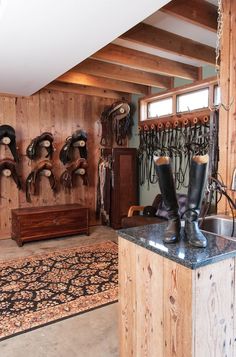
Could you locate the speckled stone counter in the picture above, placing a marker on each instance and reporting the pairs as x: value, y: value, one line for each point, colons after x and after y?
x: 176, y: 300
x: 150, y: 237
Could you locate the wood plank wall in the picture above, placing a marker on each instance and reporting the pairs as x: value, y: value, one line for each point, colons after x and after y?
x: 60, y: 113
x: 227, y: 130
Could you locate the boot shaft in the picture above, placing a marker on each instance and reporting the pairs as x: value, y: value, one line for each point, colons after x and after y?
x: 197, y: 181
x: 167, y: 185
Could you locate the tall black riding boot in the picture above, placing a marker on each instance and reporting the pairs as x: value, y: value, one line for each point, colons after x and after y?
x: 197, y: 181
x: 167, y: 188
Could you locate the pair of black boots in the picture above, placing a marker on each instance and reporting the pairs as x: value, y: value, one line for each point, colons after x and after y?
x: 197, y: 181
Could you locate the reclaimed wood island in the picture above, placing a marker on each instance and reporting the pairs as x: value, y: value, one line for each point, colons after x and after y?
x: 176, y: 300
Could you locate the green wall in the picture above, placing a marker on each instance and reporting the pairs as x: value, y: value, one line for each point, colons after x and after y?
x: 147, y: 194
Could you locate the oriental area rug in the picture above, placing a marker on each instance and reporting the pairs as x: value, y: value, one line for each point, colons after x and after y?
x: 42, y: 289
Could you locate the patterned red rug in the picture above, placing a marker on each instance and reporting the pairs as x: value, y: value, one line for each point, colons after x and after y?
x: 41, y: 289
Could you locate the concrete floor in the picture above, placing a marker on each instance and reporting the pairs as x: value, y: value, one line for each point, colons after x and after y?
x: 91, y: 334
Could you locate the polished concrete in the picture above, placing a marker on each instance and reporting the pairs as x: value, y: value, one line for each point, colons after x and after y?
x: 91, y: 334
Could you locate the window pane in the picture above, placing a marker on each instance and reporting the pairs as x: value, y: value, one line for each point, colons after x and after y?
x: 193, y: 100
x: 217, y: 98
x: 160, y: 108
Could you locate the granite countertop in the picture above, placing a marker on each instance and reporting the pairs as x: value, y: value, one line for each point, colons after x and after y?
x: 150, y: 237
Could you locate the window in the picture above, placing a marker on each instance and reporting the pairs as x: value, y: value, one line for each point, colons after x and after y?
x: 217, y: 97
x: 175, y: 103
x: 193, y: 100
x: 160, y: 108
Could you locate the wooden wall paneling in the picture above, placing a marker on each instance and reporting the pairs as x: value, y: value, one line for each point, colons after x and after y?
x: 177, y: 297
x: 28, y: 127
x: 149, y: 303
x: 41, y: 123
x: 61, y: 113
x: 127, y: 299
x: 8, y: 195
x: 214, y: 309
x: 232, y: 98
x: 234, y: 310
x: 227, y: 127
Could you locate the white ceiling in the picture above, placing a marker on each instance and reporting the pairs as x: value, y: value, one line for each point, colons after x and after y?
x: 40, y: 40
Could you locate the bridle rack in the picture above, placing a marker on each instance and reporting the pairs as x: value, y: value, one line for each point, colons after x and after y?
x: 179, y: 137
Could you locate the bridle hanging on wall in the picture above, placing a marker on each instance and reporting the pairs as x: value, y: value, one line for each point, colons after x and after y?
x: 116, y: 122
x: 180, y: 140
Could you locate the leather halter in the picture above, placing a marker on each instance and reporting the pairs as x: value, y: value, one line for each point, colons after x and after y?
x: 73, y: 169
x: 115, y: 119
x: 9, y: 132
x: 9, y: 164
x: 79, y: 137
x: 33, y: 178
x: 32, y: 149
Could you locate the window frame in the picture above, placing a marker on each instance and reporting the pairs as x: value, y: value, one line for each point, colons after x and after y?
x: 209, y: 83
x: 178, y: 111
x: 159, y: 100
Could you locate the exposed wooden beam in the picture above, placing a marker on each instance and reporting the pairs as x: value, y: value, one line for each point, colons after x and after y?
x: 122, y: 73
x: 200, y: 13
x: 146, y: 62
x: 76, y: 88
x: 99, y: 82
x: 166, y: 41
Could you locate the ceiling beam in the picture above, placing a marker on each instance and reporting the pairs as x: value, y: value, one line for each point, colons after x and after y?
x: 122, y: 73
x: 145, y: 62
x: 104, y: 83
x: 154, y: 37
x: 79, y: 89
x: 200, y: 13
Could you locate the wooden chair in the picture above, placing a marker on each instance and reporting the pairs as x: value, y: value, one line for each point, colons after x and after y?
x: 134, y: 218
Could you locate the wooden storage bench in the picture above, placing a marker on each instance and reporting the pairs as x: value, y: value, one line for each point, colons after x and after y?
x: 36, y: 223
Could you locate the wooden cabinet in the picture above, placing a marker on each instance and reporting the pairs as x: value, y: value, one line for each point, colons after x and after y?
x: 124, y: 191
x: 169, y: 310
x: 38, y: 223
